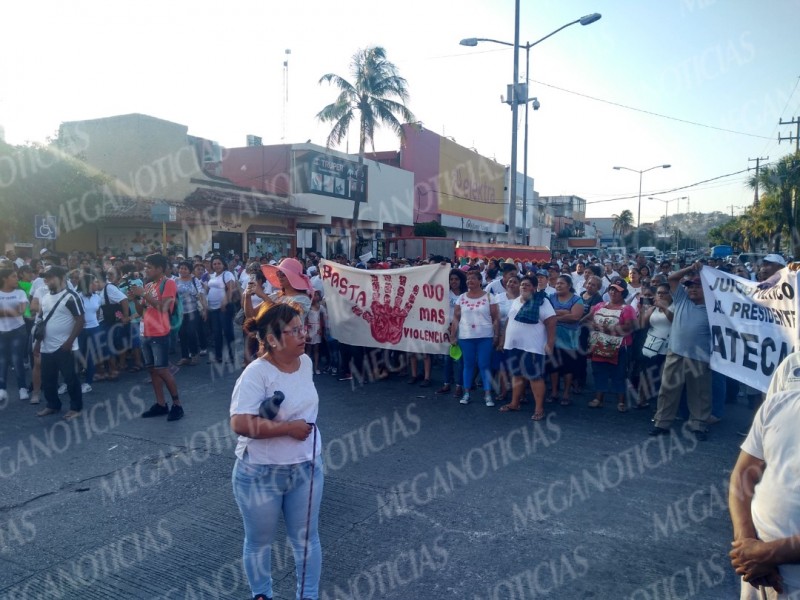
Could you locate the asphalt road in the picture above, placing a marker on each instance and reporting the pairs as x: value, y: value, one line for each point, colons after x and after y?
x: 424, y: 498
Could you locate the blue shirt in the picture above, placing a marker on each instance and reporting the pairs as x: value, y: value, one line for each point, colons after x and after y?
x: 690, y: 335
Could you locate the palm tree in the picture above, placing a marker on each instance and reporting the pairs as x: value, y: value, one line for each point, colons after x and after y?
x: 782, y: 180
x: 376, y: 96
x: 623, y: 222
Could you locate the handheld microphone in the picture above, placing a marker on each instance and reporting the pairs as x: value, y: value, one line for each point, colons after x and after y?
x: 269, y: 407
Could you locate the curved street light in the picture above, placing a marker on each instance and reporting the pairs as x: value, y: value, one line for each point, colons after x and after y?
x: 514, y: 100
x: 639, y: 216
x: 666, y: 207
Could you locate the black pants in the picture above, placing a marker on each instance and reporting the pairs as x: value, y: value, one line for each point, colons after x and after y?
x: 53, y: 363
x: 188, y: 334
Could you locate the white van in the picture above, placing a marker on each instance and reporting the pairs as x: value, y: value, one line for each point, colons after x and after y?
x: 649, y: 252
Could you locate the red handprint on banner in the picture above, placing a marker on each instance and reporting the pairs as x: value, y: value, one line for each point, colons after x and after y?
x: 386, y: 319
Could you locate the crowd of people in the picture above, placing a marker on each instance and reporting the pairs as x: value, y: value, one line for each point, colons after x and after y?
x: 630, y: 323
x: 550, y: 324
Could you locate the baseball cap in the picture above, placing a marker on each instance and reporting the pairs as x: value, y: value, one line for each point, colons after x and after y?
x: 619, y: 284
x: 774, y: 258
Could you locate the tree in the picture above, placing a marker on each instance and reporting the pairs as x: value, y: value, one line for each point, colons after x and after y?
x: 623, y: 222
x: 376, y: 96
x: 782, y: 181
x: 37, y: 180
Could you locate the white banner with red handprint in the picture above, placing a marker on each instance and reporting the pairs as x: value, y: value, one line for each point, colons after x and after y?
x: 405, y: 309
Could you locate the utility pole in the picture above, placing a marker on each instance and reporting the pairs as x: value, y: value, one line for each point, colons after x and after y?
x: 790, y: 138
x: 758, y: 165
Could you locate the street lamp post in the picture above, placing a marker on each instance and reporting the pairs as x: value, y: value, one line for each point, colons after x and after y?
x: 666, y: 206
x: 517, y: 96
x: 639, y: 216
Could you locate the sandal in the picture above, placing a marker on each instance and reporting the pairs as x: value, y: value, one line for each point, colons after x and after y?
x: 134, y: 369
x: 595, y: 403
x: 537, y: 416
x: 641, y: 405
x: 509, y: 408
x: 622, y: 407
x: 551, y: 399
x: 565, y: 402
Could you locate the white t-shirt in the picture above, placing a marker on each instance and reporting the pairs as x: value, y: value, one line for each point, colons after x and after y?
x: 776, y: 502
x: 495, y: 287
x: 476, y: 318
x: 257, y: 383
x: 59, y: 327
x: 787, y: 376
x: 11, y: 301
x: 216, y: 288
x: 91, y: 304
x: 530, y: 337
x: 115, y: 295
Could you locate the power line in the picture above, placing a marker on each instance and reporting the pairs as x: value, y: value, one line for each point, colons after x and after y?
x: 783, y: 112
x: 650, y: 112
x: 677, y: 189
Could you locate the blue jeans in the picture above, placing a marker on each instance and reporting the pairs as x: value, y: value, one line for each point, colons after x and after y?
x: 155, y: 351
x: 453, y: 371
x: 91, y: 344
x: 263, y: 492
x: 477, y: 350
x: 719, y: 386
x: 13, y: 349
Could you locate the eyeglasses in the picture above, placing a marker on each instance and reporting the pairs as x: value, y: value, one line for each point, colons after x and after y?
x: 299, y: 331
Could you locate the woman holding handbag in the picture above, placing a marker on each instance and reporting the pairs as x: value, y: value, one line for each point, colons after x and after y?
x: 655, y: 316
x: 611, y: 325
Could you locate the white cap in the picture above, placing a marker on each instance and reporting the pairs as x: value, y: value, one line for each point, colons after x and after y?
x: 774, y: 258
x: 43, y: 251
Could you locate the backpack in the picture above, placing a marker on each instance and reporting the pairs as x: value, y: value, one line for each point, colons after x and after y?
x: 176, y: 312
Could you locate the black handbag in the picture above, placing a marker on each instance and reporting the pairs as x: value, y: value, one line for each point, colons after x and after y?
x: 109, y: 310
x: 40, y: 327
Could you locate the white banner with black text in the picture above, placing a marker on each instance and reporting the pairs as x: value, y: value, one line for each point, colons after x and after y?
x: 752, y: 329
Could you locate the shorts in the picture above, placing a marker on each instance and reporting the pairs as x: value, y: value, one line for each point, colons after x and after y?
x: 155, y: 351
x: 525, y: 364
x: 563, y: 361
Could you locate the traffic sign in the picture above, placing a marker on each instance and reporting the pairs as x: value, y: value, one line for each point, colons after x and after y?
x: 162, y: 212
x: 45, y: 227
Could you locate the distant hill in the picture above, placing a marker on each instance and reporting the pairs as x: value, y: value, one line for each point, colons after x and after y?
x: 693, y: 224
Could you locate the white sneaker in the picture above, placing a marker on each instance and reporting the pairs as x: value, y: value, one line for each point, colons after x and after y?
x: 23, y: 394
x: 62, y: 389
x: 85, y: 388
x: 34, y: 398
x: 317, y: 372
x: 464, y: 398
x: 3, y: 395
x: 488, y: 400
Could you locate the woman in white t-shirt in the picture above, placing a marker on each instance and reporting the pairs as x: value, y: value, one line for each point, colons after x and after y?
x: 221, y: 288
x: 92, y: 344
x: 476, y: 328
x: 528, y: 343
x: 13, y: 335
x: 279, y: 466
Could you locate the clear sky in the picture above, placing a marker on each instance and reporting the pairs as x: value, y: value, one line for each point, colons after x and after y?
x: 218, y: 68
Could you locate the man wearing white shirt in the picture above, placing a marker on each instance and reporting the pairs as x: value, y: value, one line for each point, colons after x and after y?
x: 64, y: 312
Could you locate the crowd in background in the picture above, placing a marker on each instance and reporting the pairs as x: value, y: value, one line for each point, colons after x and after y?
x: 548, y: 325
